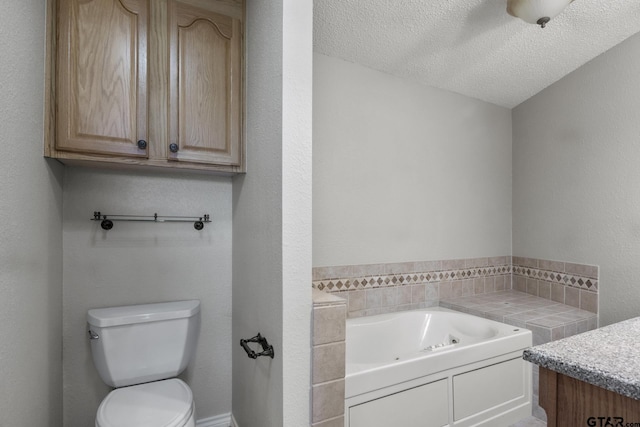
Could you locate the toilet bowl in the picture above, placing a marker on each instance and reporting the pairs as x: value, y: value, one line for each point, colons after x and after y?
x: 138, y: 350
x: 166, y: 403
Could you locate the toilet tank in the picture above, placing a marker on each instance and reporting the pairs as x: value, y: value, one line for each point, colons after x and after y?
x: 141, y: 343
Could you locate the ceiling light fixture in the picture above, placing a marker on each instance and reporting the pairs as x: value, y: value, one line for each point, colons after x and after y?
x: 536, y: 11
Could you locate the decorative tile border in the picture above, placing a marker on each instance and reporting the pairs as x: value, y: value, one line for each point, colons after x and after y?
x: 588, y: 280
x: 388, y: 280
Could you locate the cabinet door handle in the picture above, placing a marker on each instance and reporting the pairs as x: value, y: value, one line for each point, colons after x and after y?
x: 142, y: 144
x: 173, y: 147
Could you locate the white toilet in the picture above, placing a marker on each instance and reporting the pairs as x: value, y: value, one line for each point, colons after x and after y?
x: 138, y: 349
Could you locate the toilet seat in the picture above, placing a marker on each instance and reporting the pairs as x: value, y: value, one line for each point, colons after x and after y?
x: 166, y: 403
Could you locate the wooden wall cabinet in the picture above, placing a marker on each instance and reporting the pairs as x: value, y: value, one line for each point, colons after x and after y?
x: 146, y: 82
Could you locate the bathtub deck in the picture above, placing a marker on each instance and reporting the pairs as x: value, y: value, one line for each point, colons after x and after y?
x: 548, y: 320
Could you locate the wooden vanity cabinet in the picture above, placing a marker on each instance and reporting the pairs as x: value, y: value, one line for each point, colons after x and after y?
x: 571, y: 402
x: 146, y: 82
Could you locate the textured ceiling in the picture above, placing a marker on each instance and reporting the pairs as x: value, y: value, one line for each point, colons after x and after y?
x: 472, y: 47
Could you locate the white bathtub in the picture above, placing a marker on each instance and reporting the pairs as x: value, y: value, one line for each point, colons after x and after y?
x: 435, y: 367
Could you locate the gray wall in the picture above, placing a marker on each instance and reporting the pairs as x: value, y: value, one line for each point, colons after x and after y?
x: 576, y: 186
x: 272, y: 219
x: 137, y: 263
x: 30, y: 230
x: 405, y: 172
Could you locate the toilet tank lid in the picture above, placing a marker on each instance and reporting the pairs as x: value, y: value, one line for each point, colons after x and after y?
x: 130, y: 314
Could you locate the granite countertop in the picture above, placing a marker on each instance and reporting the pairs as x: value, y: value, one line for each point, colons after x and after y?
x: 608, y: 357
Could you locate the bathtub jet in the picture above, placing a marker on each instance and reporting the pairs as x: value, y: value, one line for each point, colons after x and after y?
x: 451, y: 341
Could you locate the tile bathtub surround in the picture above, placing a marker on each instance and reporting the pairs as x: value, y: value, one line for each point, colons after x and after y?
x: 382, y: 288
x: 564, y: 282
x: 553, y: 299
x: 328, y: 370
x: 547, y: 319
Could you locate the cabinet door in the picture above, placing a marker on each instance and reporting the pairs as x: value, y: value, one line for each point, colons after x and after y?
x: 204, y: 85
x: 101, y: 80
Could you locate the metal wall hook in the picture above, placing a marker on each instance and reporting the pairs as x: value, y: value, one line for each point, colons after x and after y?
x: 267, y: 349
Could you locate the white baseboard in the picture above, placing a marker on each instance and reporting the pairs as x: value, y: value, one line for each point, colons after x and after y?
x: 234, y: 423
x: 224, y: 420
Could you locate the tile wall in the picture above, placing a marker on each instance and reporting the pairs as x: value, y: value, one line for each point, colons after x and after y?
x: 328, y: 369
x: 383, y: 288
x: 564, y: 282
